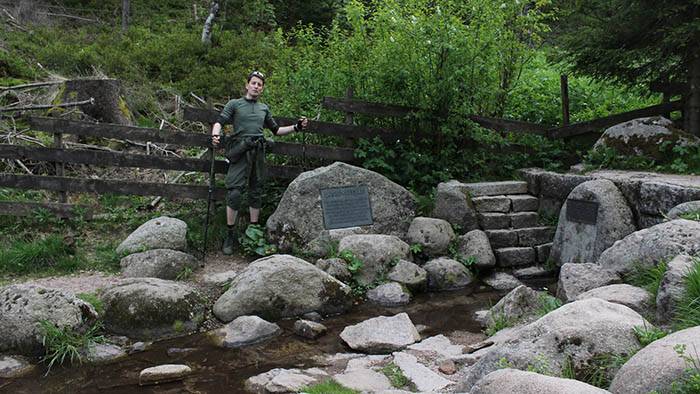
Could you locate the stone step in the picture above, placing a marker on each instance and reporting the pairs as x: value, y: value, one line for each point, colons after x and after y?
x: 506, y: 203
x: 495, y: 188
x: 529, y: 236
x: 515, y: 256
x: 500, y: 220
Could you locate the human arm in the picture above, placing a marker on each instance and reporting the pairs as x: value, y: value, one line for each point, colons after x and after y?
x: 295, y: 127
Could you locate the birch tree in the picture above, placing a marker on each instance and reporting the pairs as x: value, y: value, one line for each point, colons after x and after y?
x: 209, y: 23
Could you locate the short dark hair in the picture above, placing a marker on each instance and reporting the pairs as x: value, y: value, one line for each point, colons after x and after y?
x: 256, y: 74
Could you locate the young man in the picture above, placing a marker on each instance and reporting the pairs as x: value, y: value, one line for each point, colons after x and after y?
x: 245, y: 148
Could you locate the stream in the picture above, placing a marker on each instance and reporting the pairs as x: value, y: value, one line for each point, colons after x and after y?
x: 219, y: 370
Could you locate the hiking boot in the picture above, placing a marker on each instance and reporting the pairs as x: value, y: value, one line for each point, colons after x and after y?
x: 230, y: 243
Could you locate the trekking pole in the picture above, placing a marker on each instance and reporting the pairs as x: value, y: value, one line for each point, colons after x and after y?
x: 212, y: 154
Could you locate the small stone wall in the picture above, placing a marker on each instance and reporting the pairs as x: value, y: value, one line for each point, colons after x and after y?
x: 649, y: 195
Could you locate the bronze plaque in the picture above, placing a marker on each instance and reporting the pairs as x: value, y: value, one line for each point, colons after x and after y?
x: 346, y: 207
x: 582, y: 211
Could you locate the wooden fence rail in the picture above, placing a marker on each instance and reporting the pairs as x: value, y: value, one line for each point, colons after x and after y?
x: 60, y: 156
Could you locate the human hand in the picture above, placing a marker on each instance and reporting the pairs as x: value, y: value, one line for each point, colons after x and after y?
x: 215, y: 140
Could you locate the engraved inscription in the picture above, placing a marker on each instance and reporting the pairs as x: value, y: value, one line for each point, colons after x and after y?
x: 346, y: 207
x: 582, y: 211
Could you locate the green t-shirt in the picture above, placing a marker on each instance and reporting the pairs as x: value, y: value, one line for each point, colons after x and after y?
x: 249, y: 117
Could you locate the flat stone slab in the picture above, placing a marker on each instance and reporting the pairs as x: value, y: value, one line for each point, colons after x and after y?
x: 491, y: 204
x: 493, y: 220
x: 524, y: 202
x: 523, y: 219
x: 420, y: 375
x: 163, y: 374
x: 513, y: 257
x: 15, y: 367
x: 496, y: 188
x: 502, y: 238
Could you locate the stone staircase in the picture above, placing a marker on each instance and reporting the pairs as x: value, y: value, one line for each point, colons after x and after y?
x: 509, y: 217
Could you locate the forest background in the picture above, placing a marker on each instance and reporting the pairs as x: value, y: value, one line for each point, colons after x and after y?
x: 448, y: 58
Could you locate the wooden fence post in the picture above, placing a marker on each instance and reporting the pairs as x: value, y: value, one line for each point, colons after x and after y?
x: 58, y: 143
x: 565, y: 100
x: 350, y: 118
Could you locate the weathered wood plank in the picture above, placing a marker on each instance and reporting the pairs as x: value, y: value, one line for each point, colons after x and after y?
x: 509, y: 125
x: 595, y: 125
x: 109, y: 130
x: 13, y: 208
x: 101, y: 186
x: 314, y: 127
x: 368, y: 108
x: 118, y: 159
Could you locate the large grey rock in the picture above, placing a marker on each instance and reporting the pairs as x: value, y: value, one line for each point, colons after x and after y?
x: 559, y: 186
x: 571, y: 335
x: 577, y: 242
x: 658, y: 365
x: 647, y: 246
x: 421, y: 376
x: 321, y: 246
x: 157, y: 263
x: 335, y: 267
x: 452, y: 203
x: 434, y: 235
x: 381, y: 334
x: 476, y: 243
x: 152, y: 308
x: 514, y: 381
x: 298, y: 218
x: 672, y: 286
x: 690, y: 208
x: 521, y: 305
x: 644, y: 136
x: 163, y: 374
x: 22, y: 306
x: 389, y: 295
x: 364, y: 374
x: 501, y: 281
x: 445, y: 274
x: 656, y: 197
x: 159, y: 233
x: 409, y: 274
x: 280, y: 380
x: 376, y: 252
x: 575, y: 279
x: 15, y: 367
x: 282, y: 286
x: 244, y: 330
x: 630, y: 296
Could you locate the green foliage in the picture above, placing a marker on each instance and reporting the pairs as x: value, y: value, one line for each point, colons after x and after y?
x: 629, y: 41
x: 500, y: 321
x: 329, y: 386
x: 679, y: 159
x: 547, y: 304
x: 185, y: 274
x: 540, y: 364
x: 693, y: 214
x: 106, y: 257
x: 647, y: 277
x: 93, y: 299
x: 687, y: 312
x: 647, y: 335
x: 61, y: 344
x: 395, y: 376
x: 690, y: 383
x: 600, y: 369
x: 416, y: 248
x: 354, y: 264
x: 39, y: 255
x: 253, y: 242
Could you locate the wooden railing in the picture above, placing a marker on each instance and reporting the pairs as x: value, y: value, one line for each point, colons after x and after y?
x: 60, y: 155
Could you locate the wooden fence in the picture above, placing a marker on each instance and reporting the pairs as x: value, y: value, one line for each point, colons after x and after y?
x: 60, y: 155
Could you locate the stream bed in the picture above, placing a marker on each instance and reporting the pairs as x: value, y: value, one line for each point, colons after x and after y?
x: 219, y: 370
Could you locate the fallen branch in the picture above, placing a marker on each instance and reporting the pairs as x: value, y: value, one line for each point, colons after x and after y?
x: 30, y: 85
x: 72, y: 17
x: 33, y: 107
x: 23, y: 166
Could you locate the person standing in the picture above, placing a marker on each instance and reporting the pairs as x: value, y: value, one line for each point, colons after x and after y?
x: 245, y: 149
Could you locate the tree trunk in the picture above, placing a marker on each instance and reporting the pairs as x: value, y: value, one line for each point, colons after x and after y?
x: 126, y: 10
x: 693, y: 105
x: 209, y: 23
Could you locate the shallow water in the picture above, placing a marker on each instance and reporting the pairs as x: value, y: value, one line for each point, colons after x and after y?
x: 217, y: 370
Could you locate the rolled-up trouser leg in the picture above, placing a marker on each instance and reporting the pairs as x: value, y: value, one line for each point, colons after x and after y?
x: 235, y: 181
